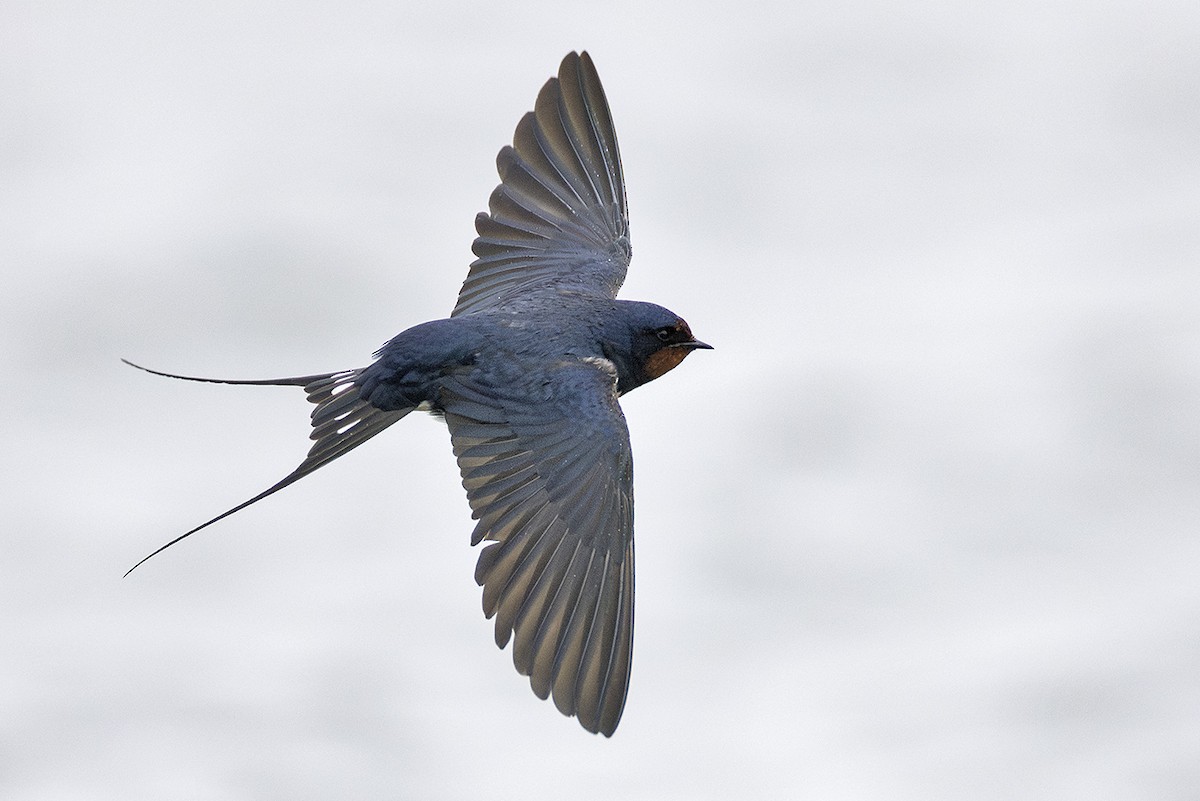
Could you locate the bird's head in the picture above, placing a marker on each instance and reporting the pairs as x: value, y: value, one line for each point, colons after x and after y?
x: 659, y: 340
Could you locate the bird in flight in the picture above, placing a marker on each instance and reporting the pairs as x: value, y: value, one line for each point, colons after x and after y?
x: 526, y: 372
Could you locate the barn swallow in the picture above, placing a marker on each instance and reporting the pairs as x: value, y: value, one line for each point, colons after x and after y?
x: 526, y: 372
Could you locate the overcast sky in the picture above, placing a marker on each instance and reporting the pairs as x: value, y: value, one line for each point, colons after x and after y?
x: 924, y: 524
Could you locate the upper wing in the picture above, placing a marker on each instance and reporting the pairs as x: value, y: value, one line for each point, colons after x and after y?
x: 558, y: 217
x: 551, y: 483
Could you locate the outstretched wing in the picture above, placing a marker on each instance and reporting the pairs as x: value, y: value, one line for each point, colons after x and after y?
x: 551, y: 484
x: 341, y: 422
x: 558, y: 219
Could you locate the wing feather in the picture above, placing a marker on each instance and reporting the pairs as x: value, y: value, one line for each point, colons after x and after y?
x: 550, y: 482
x: 558, y: 219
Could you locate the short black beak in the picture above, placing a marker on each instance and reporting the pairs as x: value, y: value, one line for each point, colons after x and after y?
x: 696, y: 344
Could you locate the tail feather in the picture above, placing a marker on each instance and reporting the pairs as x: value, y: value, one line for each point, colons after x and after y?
x: 341, y: 422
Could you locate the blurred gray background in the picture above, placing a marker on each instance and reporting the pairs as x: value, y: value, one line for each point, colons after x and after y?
x: 923, y: 526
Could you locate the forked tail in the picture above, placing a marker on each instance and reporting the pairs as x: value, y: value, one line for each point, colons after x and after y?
x: 341, y: 422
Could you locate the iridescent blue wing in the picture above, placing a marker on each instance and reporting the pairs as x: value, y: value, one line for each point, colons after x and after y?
x: 558, y: 219
x: 550, y: 481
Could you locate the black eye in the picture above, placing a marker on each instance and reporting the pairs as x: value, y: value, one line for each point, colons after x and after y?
x: 664, y: 334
